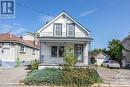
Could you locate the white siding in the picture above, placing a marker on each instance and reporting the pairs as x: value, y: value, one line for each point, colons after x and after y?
x: 100, y: 58
x: 48, y: 31
x: 7, y: 53
x: 46, y: 52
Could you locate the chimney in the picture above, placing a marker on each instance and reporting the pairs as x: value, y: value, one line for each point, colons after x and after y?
x: 36, y: 41
x: 21, y: 37
x: 10, y: 36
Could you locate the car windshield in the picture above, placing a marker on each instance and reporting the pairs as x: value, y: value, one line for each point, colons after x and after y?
x: 106, y: 62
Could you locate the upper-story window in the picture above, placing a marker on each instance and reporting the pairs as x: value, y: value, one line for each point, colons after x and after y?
x: 70, y: 29
x: 57, y: 29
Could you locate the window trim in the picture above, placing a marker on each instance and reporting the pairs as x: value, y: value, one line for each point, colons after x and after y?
x: 57, y: 51
x: 33, y: 52
x: 67, y: 30
x: 51, y: 51
x: 24, y: 51
x: 54, y: 29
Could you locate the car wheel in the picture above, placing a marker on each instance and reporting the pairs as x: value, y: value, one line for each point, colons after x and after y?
x: 108, y: 66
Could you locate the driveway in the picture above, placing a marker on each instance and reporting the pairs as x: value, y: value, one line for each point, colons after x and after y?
x: 12, y: 76
x: 114, y: 76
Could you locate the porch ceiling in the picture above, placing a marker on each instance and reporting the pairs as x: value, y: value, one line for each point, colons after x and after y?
x: 65, y: 39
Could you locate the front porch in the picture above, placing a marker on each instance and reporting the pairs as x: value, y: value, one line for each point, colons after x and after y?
x: 51, y: 52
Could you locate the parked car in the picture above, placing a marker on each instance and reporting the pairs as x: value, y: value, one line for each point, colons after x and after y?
x: 114, y: 64
x: 105, y: 64
x: 111, y: 64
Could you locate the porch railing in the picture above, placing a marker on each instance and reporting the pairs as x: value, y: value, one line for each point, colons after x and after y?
x: 64, y: 34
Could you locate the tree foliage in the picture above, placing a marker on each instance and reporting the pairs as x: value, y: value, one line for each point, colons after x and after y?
x: 69, y: 57
x: 95, y: 52
x: 115, y: 49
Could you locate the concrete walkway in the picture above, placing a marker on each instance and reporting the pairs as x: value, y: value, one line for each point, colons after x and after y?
x: 115, y: 76
x: 14, y: 75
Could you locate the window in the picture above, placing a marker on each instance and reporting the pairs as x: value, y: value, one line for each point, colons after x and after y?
x: 54, y: 51
x: 61, y: 51
x: 57, y: 29
x: 70, y: 29
x: 33, y: 51
x: 22, y: 49
x: 57, y: 51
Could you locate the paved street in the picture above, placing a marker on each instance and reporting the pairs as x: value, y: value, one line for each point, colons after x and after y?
x: 115, y: 76
x: 14, y: 75
x: 11, y: 77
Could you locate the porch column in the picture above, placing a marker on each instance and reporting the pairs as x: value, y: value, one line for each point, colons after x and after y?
x: 42, y: 53
x: 85, y: 53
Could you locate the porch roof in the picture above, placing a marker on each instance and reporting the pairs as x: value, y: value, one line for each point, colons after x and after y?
x: 65, y: 39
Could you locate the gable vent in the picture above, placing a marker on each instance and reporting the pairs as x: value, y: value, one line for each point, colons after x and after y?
x: 63, y: 16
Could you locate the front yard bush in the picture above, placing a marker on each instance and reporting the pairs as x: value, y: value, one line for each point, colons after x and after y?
x: 44, y: 76
x: 53, y: 76
x: 34, y: 65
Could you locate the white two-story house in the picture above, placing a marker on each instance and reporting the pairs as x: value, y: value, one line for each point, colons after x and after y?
x: 60, y: 33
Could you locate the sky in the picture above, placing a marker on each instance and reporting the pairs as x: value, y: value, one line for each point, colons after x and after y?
x: 106, y: 19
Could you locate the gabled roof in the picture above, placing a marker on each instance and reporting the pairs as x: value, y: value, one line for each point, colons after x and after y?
x: 127, y: 38
x: 103, y: 54
x: 7, y: 37
x: 64, y: 13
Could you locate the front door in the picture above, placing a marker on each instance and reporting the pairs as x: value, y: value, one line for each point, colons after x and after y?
x: 79, y: 52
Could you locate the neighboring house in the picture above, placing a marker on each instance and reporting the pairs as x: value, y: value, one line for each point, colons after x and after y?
x: 60, y: 33
x: 101, y: 57
x: 126, y: 54
x: 13, y: 48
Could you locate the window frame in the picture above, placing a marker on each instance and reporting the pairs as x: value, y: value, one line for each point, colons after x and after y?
x: 54, y: 32
x: 57, y: 51
x: 62, y: 55
x: 22, y: 51
x: 52, y: 51
x: 33, y: 52
x: 67, y: 34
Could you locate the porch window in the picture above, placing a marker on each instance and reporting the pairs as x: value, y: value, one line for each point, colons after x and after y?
x: 61, y: 51
x: 70, y: 29
x: 54, y: 51
x: 57, y: 51
x: 57, y: 29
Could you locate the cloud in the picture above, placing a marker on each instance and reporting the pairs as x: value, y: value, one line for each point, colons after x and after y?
x: 88, y: 12
x: 14, y: 29
x: 46, y: 18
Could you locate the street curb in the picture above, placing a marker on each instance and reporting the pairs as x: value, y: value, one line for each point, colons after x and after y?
x: 95, y: 85
x: 110, y: 85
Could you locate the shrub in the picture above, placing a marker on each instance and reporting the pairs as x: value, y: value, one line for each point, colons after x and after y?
x: 53, y: 76
x: 80, y: 77
x: 17, y: 62
x: 34, y: 65
x: 70, y: 58
x: 44, y: 76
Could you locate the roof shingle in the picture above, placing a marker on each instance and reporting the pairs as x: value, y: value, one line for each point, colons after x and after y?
x: 7, y: 37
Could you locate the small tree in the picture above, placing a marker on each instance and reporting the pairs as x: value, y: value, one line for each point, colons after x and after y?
x: 17, y: 62
x: 115, y: 50
x: 34, y: 64
x: 69, y: 57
